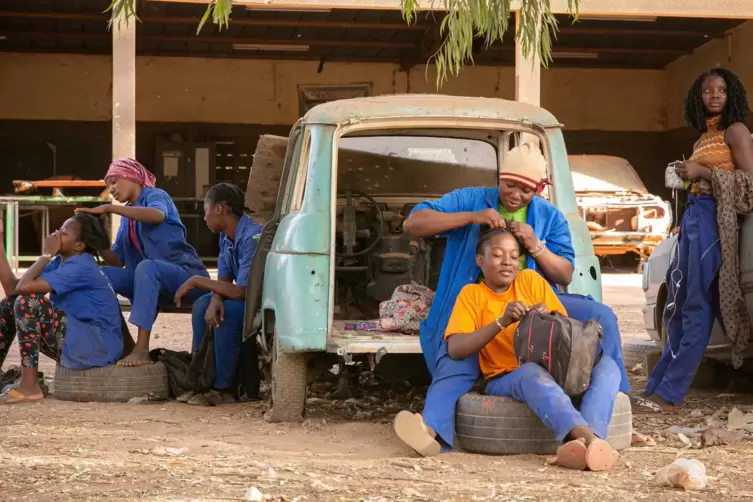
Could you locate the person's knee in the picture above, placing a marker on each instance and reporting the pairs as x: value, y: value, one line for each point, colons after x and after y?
x: 200, y: 306
x: 605, y: 315
x: 147, y: 268
x: 26, y: 304
x: 533, y: 371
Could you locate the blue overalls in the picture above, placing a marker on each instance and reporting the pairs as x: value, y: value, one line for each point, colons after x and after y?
x: 692, y: 300
x: 452, y: 379
x: 160, y: 264
x: 233, y: 265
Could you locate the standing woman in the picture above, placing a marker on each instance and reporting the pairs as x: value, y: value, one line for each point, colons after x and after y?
x: 717, y: 107
x: 223, y: 308
x: 150, y: 257
x: 79, y: 325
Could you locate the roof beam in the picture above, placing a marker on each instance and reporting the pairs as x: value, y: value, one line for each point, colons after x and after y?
x: 720, y: 9
x: 217, y: 40
x: 194, y: 20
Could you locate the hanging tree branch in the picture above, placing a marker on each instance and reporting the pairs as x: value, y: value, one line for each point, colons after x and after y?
x: 465, y: 21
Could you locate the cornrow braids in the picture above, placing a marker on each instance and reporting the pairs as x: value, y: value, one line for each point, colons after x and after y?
x: 229, y: 194
x: 486, y: 235
x: 735, y: 110
x: 92, y: 233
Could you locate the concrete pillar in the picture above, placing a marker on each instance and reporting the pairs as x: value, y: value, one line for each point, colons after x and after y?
x: 527, y: 73
x: 123, y: 95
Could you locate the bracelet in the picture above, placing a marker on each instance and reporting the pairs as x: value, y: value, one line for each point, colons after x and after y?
x: 499, y: 324
x: 539, y: 249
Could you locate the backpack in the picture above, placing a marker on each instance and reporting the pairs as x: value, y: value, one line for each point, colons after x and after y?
x: 247, y: 372
x: 563, y: 346
x: 201, y: 371
x: 177, y: 369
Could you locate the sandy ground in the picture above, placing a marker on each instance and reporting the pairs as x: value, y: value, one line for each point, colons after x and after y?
x: 58, y: 450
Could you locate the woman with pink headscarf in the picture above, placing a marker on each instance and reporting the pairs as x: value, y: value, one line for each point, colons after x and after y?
x: 150, y: 257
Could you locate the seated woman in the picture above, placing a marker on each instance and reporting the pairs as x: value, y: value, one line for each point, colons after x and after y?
x: 150, y: 257
x: 483, y: 323
x: 79, y: 325
x: 223, y: 307
x: 544, y: 234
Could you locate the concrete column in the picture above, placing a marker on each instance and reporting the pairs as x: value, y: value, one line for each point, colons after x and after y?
x: 123, y: 95
x: 527, y: 73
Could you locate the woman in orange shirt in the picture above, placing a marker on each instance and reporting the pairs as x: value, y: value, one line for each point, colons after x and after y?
x: 483, y: 322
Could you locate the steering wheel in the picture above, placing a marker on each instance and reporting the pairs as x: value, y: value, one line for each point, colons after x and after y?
x: 350, y: 227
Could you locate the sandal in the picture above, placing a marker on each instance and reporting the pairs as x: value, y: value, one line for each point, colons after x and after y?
x: 572, y: 455
x: 643, y: 406
x: 600, y: 456
x: 412, y: 431
x: 211, y: 398
x: 13, y: 396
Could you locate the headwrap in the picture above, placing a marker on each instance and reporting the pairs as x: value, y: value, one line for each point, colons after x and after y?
x: 525, y: 165
x: 131, y: 170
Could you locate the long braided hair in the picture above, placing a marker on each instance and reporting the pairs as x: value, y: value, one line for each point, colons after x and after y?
x: 230, y: 195
x: 92, y: 234
x: 735, y: 110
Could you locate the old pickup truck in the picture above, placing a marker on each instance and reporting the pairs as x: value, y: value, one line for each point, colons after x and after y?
x: 333, y: 197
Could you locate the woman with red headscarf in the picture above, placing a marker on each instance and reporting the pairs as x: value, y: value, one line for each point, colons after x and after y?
x: 150, y: 257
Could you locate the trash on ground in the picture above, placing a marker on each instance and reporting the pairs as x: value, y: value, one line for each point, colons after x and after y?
x: 641, y: 440
x: 168, y: 451
x: 719, y: 437
x: 738, y: 420
x: 688, y: 474
x: 686, y: 431
x: 253, y: 495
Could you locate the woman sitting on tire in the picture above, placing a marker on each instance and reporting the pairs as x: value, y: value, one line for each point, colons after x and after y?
x: 483, y: 322
x: 79, y: 325
x: 224, y: 306
x: 150, y: 257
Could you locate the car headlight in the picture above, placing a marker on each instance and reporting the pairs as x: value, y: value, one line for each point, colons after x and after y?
x: 644, y: 277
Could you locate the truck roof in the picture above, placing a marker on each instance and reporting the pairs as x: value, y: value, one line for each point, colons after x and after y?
x: 428, y: 105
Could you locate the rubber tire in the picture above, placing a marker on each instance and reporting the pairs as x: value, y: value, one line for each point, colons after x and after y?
x: 288, y: 385
x: 111, y: 384
x: 502, y: 426
x: 635, y: 352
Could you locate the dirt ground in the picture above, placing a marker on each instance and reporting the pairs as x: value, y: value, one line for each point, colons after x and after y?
x: 58, y: 450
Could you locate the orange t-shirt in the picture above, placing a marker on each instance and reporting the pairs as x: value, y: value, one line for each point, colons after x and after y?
x: 478, y: 306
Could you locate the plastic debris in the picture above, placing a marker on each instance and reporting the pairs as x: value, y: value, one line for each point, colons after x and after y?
x: 688, y: 474
x: 253, y: 495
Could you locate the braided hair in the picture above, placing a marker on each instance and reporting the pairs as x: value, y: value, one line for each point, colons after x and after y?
x: 228, y: 194
x: 486, y: 235
x: 92, y: 233
x: 735, y: 110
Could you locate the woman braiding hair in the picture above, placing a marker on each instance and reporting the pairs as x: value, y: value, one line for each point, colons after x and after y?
x: 150, y: 257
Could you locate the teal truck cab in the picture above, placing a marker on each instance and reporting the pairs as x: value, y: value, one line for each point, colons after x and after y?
x: 333, y: 197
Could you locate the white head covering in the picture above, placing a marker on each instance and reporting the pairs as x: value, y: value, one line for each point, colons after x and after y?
x: 525, y: 165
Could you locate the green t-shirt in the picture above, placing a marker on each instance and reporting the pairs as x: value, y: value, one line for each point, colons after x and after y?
x: 520, y: 216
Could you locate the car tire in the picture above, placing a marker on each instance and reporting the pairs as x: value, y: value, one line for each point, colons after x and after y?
x: 288, y: 385
x: 111, y: 384
x: 634, y: 352
x: 504, y: 426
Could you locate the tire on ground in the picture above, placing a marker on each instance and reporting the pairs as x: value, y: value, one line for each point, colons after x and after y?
x: 634, y: 352
x: 503, y: 426
x: 111, y: 383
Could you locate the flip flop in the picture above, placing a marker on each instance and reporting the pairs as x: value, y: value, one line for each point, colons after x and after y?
x: 643, y: 406
x: 600, y: 456
x: 572, y: 455
x: 14, y: 397
x: 411, y: 430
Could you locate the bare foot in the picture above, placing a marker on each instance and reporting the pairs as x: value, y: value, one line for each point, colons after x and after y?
x: 137, y: 357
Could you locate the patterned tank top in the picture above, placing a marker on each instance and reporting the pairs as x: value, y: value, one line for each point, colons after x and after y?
x: 711, y: 151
